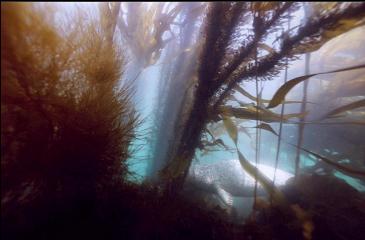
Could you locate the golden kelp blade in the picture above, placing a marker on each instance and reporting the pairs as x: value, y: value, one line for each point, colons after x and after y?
x: 280, y: 94
x: 350, y: 106
x: 231, y: 128
x: 267, y: 127
x: 278, y: 196
x: 249, y: 96
x: 253, y: 112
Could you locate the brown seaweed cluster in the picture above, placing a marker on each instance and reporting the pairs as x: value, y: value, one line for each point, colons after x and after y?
x: 65, y: 124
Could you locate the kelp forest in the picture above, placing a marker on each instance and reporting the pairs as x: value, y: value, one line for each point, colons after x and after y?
x: 183, y: 120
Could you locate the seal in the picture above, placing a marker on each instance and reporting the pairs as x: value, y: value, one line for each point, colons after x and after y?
x: 227, y: 179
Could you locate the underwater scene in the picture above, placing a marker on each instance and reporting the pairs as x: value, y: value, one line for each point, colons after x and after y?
x: 183, y: 120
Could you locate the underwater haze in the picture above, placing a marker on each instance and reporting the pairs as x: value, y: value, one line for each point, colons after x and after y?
x: 245, y: 117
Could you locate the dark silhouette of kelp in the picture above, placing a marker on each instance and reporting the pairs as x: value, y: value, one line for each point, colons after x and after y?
x: 66, y: 125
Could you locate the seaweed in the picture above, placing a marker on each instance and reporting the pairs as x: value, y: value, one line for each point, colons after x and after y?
x: 69, y: 120
x: 66, y: 125
x: 220, y: 71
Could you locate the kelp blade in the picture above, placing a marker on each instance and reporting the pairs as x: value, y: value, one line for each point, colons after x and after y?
x: 280, y: 94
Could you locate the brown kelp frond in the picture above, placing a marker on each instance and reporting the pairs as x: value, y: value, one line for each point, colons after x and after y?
x: 271, y: 64
x: 222, y: 19
x: 65, y: 123
x: 252, y: 112
x: 142, y: 28
x: 249, y: 96
x: 280, y: 94
x: 261, y: 25
x: 347, y: 107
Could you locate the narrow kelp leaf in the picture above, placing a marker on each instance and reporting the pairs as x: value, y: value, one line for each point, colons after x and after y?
x: 220, y: 142
x: 215, y: 143
x: 249, y: 96
x: 246, y: 94
x: 347, y: 107
x: 267, y: 127
x: 252, y: 112
x: 280, y: 94
x: 242, y: 113
x: 231, y: 128
x: 217, y: 129
x: 210, y: 133
x: 361, y: 123
x: 296, y: 115
x: 266, y: 183
x: 337, y: 166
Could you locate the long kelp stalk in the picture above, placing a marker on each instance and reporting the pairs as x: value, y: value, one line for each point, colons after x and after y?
x: 282, y: 110
x: 258, y: 137
x: 304, y: 102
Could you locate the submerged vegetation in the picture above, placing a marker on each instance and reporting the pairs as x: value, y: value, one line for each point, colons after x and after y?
x: 70, y: 100
x: 62, y: 112
x: 222, y: 67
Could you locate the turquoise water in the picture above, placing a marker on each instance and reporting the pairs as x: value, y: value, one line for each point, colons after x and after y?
x: 145, y: 103
x: 140, y: 161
